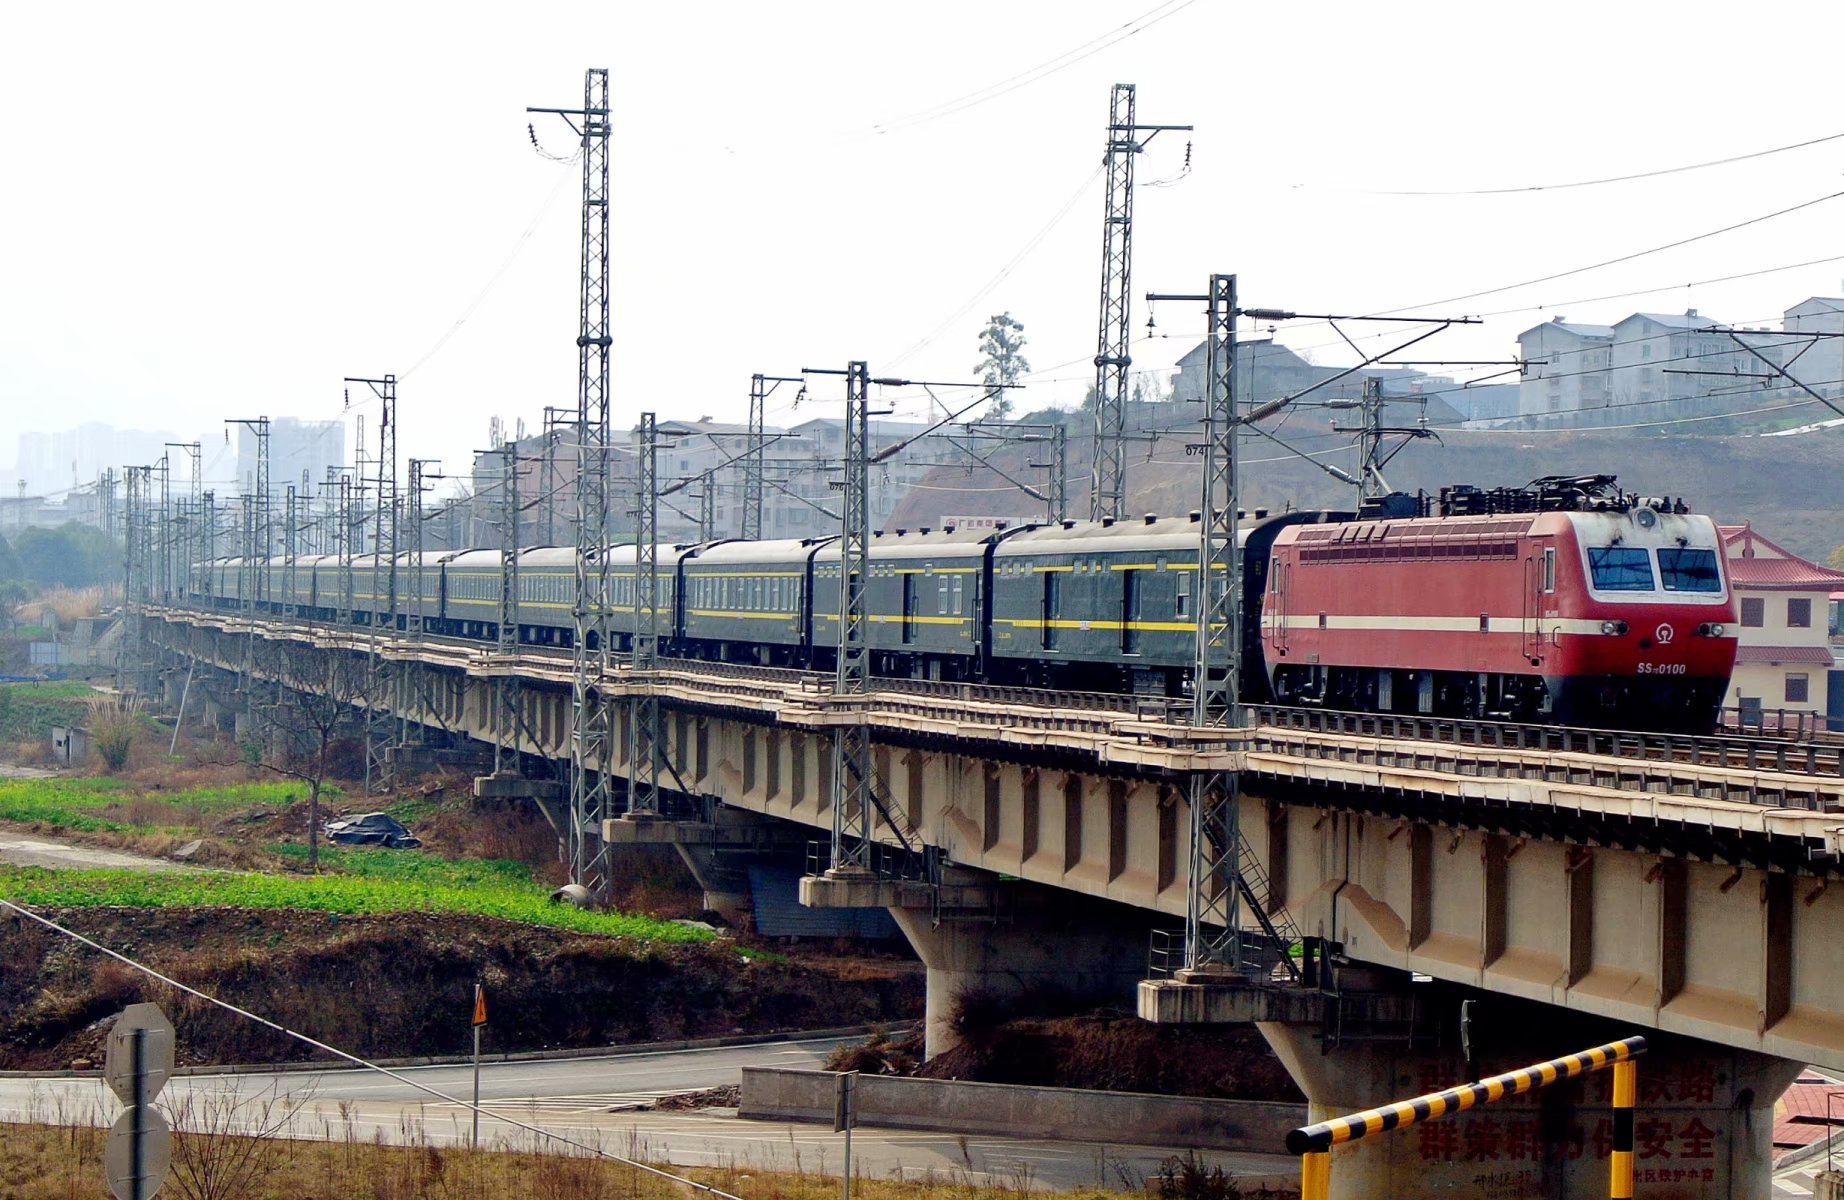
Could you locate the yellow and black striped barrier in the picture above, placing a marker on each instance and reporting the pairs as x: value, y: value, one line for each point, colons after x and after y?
x: 1313, y: 1143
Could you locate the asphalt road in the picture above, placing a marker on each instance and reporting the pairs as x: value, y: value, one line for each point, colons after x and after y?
x: 586, y: 1099
x: 23, y: 851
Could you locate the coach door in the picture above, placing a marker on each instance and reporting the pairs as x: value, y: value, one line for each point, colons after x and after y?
x: 1539, y: 591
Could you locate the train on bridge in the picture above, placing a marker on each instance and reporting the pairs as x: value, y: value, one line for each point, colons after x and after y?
x: 1566, y: 601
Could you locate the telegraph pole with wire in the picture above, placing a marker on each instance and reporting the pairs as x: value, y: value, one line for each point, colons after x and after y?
x: 590, y: 730
x: 381, y: 611
x: 853, y: 783
x: 259, y: 516
x: 506, y: 682
x: 646, y: 735
x: 1114, y: 340
x: 1219, y: 884
x: 760, y: 388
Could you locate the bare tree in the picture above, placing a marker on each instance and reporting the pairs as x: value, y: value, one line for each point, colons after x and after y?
x: 320, y: 694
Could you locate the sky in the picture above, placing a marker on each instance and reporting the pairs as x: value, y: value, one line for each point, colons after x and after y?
x: 212, y: 211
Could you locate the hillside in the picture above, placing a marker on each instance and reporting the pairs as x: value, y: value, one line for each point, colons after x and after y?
x: 1791, y: 487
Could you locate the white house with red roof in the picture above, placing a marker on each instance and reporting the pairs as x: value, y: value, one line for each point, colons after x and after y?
x: 1784, y: 655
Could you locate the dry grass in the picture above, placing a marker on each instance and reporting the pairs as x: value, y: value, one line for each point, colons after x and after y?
x: 71, y: 604
x: 63, y: 1162
x: 115, y: 725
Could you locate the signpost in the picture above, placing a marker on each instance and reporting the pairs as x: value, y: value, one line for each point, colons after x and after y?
x: 480, y: 1020
x: 137, y: 1063
x: 843, y: 1118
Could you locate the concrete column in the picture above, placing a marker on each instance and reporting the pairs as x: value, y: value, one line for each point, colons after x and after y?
x: 724, y: 877
x: 1049, y: 946
x: 1704, y: 1120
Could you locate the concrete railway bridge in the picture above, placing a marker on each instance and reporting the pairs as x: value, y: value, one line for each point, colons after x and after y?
x: 1466, y: 908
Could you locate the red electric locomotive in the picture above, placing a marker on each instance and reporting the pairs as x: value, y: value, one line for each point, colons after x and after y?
x: 1566, y: 602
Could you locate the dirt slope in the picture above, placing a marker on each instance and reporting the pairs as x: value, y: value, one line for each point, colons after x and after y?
x: 402, y: 985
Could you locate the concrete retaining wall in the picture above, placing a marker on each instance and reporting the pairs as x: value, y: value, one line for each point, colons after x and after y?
x: 1129, y: 1118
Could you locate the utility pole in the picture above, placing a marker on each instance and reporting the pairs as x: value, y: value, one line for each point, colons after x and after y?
x: 506, y: 683
x: 1114, y: 341
x: 853, y: 784
x: 707, y: 506
x: 589, y: 731
x: 1213, y: 918
x: 164, y: 527
x: 259, y: 516
x: 105, y: 500
x: 288, y: 604
x: 195, y: 489
x: 760, y: 388
x: 384, y: 539
x: 555, y: 420
x: 646, y: 735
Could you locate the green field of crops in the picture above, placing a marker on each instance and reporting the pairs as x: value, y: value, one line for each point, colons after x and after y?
x: 29, y: 710
x: 352, y: 892
x: 102, y: 804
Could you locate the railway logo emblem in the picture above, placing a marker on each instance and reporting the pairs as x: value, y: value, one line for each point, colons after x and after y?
x: 1663, y: 634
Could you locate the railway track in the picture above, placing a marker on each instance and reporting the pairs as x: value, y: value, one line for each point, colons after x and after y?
x: 1769, y: 750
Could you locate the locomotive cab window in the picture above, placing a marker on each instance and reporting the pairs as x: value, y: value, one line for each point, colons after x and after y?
x: 1620, y: 568
x: 1689, y: 570
x: 1549, y: 568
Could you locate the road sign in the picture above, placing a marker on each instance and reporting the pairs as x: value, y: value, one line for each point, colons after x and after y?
x: 118, y: 1164
x: 480, y: 1005
x: 156, y: 1052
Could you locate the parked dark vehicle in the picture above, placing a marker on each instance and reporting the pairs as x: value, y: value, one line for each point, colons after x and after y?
x: 372, y: 829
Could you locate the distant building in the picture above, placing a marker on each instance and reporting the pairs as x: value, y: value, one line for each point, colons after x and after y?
x: 298, y: 451
x: 1648, y: 367
x: 1567, y: 367
x: 1820, y: 366
x: 1785, y: 655
x: 56, y: 462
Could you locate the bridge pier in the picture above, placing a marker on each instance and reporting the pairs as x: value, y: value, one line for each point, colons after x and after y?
x: 1000, y: 943
x: 1703, y: 1124
x: 717, y: 851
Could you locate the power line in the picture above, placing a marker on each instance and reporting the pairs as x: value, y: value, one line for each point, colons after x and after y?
x: 1620, y: 259
x: 1582, y: 183
x: 1043, y: 70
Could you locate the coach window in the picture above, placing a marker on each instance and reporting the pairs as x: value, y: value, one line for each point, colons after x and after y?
x: 941, y: 594
x: 959, y: 596
x: 1754, y: 612
x: 1184, y: 593
x: 1798, y: 616
x: 1796, y: 692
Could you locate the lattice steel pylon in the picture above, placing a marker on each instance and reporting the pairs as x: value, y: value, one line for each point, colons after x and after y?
x: 1114, y: 340
x: 590, y: 729
x: 646, y: 736
x: 506, y: 683
x: 752, y: 460
x: 853, y: 783
x: 259, y: 516
x: 760, y: 387
x: 381, y: 732
x: 1213, y: 918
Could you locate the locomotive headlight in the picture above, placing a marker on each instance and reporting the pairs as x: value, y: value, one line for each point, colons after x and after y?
x: 1613, y: 628
x: 1646, y: 517
x: 1712, y: 629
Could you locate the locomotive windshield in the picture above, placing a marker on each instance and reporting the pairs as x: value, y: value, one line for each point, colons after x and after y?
x: 1620, y: 568
x: 1689, y: 570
